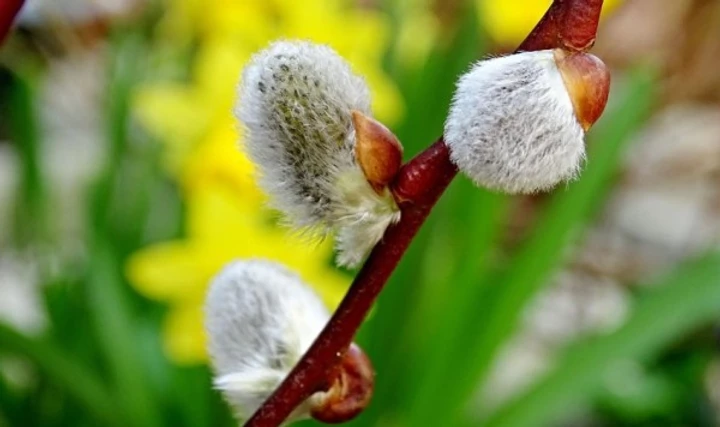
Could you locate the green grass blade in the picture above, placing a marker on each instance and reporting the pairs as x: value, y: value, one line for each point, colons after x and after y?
x: 448, y: 301
x: 108, y: 300
x: 682, y: 302
x: 80, y: 384
x: 428, y: 93
x: 114, y: 328
x: 31, y: 217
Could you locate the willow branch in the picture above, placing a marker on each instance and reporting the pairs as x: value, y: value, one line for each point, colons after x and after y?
x: 570, y: 24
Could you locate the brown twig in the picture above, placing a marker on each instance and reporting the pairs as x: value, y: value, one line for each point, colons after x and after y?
x: 570, y: 24
x: 8, y: 11
x: 419, y: 184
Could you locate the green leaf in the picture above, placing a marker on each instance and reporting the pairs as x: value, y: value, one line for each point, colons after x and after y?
x: 685, y: 300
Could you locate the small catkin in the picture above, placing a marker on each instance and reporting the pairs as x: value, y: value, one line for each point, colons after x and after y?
x: 512, y: 126
x: 296, y: 101
x: 260, y: 319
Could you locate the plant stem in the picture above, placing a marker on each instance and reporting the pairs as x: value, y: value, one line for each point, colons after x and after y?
x: 419, y: 184
x: 8, y: 11
x: 569, y: 24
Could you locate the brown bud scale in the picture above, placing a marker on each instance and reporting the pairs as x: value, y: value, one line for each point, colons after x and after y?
x: 587, y: 80
x: 377, y: 151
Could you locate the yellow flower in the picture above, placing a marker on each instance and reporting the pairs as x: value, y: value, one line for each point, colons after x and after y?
x: 181, y: 115
x: 218, y: 159
x: 509, y: 22
x: 221, y: 228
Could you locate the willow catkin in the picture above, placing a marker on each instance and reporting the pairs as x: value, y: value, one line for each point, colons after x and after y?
x: 512, y: 126
x: 296, y: 101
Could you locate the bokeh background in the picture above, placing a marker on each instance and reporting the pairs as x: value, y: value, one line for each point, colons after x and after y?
x: 122, y: 191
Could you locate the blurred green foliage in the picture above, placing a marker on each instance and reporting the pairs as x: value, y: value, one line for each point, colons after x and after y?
x: 450, y: 306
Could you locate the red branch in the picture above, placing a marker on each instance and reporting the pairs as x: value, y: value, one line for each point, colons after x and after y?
x: 571, y: 24
x: 8, y: 11
x: 420, y: 183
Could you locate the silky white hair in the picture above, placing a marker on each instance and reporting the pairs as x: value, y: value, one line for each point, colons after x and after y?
x: 512, y: 126
x: 295, y: 102
x: 260, y: 319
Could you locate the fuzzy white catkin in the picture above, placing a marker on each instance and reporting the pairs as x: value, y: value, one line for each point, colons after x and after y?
x: 260, y: 319
x: 296, y: 101
x: 512, y: 126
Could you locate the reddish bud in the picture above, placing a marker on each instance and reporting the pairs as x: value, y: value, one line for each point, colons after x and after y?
x: 587, y: 80
x: 377, y: 150
x: 350, y: 392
